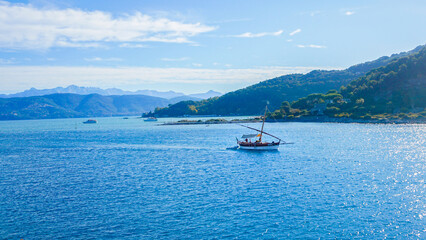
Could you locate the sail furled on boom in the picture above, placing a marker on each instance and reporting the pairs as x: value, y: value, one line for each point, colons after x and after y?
x: 250, y: 135
x: 262, y: 132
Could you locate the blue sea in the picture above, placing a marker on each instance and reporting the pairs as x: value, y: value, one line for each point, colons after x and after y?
x: 129, y: 179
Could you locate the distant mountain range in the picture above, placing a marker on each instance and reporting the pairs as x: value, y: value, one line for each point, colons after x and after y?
x: 111, y: 91
x: 67, y: 105
x: 387, y: 87
x: 252, y: 100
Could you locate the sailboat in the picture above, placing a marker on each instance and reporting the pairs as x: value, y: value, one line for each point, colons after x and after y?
x: 150, y: 119
x: 258, y: 144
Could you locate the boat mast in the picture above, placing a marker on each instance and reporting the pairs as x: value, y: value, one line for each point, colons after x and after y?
x: 263, y: 123
x: 259, y: 131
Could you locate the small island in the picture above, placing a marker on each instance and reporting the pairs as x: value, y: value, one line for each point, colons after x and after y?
x: 214, y: 121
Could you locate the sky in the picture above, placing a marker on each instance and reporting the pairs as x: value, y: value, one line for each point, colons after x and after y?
x: 193, y: 46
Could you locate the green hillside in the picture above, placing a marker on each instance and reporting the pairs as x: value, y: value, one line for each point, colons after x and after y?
x: 252, y: 100
x: 394, y: 91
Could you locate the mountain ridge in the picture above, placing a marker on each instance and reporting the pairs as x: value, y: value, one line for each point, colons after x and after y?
x: 108, y: 92
x: 394, y: 92
x: 247, y: 101
x: 252, y: 100
x: 66, y: 105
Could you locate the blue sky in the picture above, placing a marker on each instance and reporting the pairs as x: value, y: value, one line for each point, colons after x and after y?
x: 194, y: 46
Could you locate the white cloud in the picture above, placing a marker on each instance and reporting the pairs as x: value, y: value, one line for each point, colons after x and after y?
x: 99, y: 59
x: 129, y: 45
x: 255, y: 35
x: 194, y: 44
x: 24, y: 26
x: 7, y: 61
x: 348, y: 13
x: 197, y: 64
x: 232, y: 20
x: 222, y: 64
x: 295, y: 32
x: 175, y: 59
x: 62, y: 43
x: 310, y: 46
x: 314, y: 13
x: 18, y: 78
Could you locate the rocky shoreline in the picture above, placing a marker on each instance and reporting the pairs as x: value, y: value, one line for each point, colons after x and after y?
x: 212, y: 121
x: 323, y: 119
x: 326, y: 119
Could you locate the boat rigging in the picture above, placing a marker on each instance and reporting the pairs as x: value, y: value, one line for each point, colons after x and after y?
x: 258, y: 144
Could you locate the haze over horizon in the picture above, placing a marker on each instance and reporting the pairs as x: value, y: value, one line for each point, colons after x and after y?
x: 191, y: 46
x: 81, y: 90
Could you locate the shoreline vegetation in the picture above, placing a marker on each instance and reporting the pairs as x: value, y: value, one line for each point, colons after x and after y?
x: 321, y: 119
x: 213, y: 121
x: 391, y: 91
x: 388, y: 85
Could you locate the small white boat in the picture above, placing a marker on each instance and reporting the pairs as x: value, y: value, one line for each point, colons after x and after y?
x: 262, y: 146
x: 257, y: 144
x: 90, y: 121
x: 150, y: 119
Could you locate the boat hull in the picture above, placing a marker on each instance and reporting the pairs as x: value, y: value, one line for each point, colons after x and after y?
x: 258, y: 148
x: 261, y: 147
x: 150, y: 119
x: 90, y: 121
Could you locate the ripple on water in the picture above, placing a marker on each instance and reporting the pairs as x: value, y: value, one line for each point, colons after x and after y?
x: 140, y: 181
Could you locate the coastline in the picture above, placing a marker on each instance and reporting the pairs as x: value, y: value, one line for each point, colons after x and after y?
x: 211, y: 121
x: 326, y: 119
x: 320, y: 119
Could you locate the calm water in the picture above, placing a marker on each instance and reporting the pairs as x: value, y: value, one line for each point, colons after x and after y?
x: 127, y: 179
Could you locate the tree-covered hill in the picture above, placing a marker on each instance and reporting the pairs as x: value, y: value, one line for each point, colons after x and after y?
x: 74, y: 105
x: 251, y: 100
x: 394, y: 91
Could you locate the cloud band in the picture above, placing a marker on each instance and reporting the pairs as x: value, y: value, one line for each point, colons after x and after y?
x: 26, y: 27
